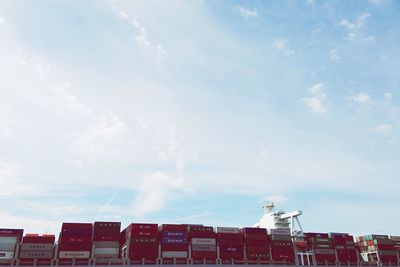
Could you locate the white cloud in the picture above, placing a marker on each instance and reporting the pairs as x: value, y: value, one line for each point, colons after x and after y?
x: 317, y: 101
x: 141, y: 36
x: 333, y: 55
x: 362, y: 99
x: 310, y: 2
x: 103, y: 134
x: 154, y: 191
x: 353, y: 37
x: 356, y: 24
x: 12, y: 182
x: 281, y: 44
x: 3, y: 23
x: 246, y: 13
x: 384, y: 129
x: 387, y: 97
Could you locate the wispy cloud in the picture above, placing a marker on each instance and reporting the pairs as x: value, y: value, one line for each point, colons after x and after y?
x: 246, y: 13
x: 282, y: 45
x: 154, y: 191
x: 141, y: 36
x: 384, y: 129
x: 316, y: 102
x: 275, y: 198
x: 334, y: 55
x: 362, y: 99
x: 357, y: 23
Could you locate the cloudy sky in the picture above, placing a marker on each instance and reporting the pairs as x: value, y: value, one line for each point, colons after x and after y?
x: 200, y: 112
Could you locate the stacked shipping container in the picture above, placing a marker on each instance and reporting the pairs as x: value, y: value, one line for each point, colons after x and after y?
x: 9, y: 242
x: 75, y: 243
x: 140, y: 243
x: 203, y: 244
x: 257, y: 244
x: 106, y: 241
x: 174, y: 243
x: 322, y: 248
x: 345, y: 249
x: 378, y: 248
x: 37, y: 249
x: 231, y: 244
x: 282, y: 249
x: 396, y: 244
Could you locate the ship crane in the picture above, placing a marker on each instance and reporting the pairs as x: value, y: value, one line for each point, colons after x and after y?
x: 281, y: 219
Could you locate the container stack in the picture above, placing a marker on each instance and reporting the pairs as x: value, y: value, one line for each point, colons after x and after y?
x: 257, y: 244
x: 174, y: 243
x: 9, y: 242
x: 140, y: 243
x: 378, y: 248
x: 282, y: 249
x: 106, y: 241
x: 231, y: 245
x: 203, y: 244
x: 396, y: 244
x: 37, y: 248
x: 75, y: 243
x: 322, y: 247
x: 345, y: 249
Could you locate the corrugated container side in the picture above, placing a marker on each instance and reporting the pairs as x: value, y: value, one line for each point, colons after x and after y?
x: 228, y: 230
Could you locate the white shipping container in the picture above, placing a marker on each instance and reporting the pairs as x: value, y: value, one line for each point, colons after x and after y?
x: 7, y: 247
x: 208, y: 248
x: 106, y: 251
x: 8, y: 240
x: 279, y: 231
x: 203, y: 241
x: 228, y: 230
x: 174, y: 254
x: 106, y: 244
x: 74, y: 254
x: 6, y: 255
x: 36, y: 254
x: 324, y: 251
x: 37, y: 247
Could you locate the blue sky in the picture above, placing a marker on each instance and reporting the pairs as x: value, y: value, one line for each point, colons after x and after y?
x: 200, y: 112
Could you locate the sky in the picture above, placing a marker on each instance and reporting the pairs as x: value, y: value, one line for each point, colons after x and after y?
x: 200, y: 112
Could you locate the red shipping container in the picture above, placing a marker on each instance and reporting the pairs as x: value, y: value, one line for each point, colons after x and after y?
x: 144, y: 240
x: 174, y: 247
x: 75, y: 239
x: 142, y: 229
x: 229, y: 236
x: 257, y: 243
x: 204, y: 255
x: 253, y: 231
x: 173, y: 227
x: 231, y: 252
x: 202, y: 234
x: 106, y: 231
x: 75, y: 247
x: 200, y: 228
x: 39, y: 239
x: 257, y: 253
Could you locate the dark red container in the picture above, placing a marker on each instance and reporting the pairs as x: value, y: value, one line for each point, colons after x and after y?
x: 75, y: 247
x: 142, y: 229
x: 204, y: 255
x: 144, y: 240
x: 200, y: 228
x: 231, y: 252
x: 38, y: 239
x: 173, y: 227
x: 106, y: 231
x: 257, y: 253
x: 174, y: 247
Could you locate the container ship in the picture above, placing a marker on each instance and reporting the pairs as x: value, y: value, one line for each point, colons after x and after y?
x: 278, y: 239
